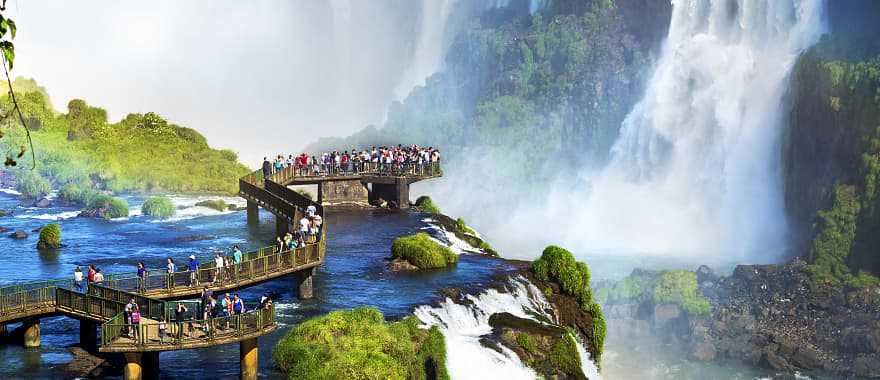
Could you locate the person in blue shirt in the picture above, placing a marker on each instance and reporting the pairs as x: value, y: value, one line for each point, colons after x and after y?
x: 193, y: 267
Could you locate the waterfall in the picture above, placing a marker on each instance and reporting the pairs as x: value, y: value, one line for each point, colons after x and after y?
x: 430, y: 47
x: 462, y: 326
x: 696, y: 168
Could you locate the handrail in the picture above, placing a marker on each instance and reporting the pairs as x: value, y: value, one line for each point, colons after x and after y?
x: 290, y: 173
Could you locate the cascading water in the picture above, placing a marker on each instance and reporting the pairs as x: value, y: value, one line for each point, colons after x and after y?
x: 430, y: 47
x: 696, y: 168
x: 462, y: 326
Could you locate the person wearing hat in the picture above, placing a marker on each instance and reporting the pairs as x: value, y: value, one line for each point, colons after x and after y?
x: 193, y: 267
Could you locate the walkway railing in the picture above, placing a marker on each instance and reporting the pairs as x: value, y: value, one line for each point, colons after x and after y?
x: 291, y: 173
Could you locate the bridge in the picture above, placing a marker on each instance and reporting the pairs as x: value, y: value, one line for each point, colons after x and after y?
x: 158, y: 294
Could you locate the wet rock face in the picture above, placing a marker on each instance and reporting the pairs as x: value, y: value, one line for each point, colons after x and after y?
x: 42, y: 203
x: 19, y: 234
x: 540, y: 346
x: 401, y: 265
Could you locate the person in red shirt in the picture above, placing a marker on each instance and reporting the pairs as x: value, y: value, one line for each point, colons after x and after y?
x: 91, y: 275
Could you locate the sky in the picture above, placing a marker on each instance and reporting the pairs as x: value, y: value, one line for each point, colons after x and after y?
x: 268, y: 77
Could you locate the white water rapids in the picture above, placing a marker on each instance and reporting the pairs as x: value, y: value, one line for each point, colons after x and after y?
x: 463, y: 325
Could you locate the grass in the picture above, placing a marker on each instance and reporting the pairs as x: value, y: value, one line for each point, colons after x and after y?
x: 216, y: 204
x: 423, y: 252
x: 158, y: 207
x: 527, y: 342
x: 359, y: 344
x: 50, y: 237
x: 680, y: 287
x: 463, y: 227
x: 426, y: 204
x: 76, y: 194
x: 564, y: 355
x: 31, y: 184
x: 116, y: 207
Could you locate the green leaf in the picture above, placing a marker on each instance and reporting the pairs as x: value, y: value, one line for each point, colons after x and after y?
x: 8, y: 52
x: 12, y: 27
x: 4, y: 26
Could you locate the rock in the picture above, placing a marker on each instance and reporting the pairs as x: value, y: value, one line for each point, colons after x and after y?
x: 83, y: 364
x: 706, y: 274
x: 401, y: 265
x: 42, y: 203
x: 806, y: 357
x: 194, y: 238
x: 777, y: 362
x: 4, y: 213
x: 704, y: 351
x: 4, y: 230
x: 665, y: 313
x: 100, y: 212
x: 19, y: 234
x: 867, y: 366
x: 500, y: 321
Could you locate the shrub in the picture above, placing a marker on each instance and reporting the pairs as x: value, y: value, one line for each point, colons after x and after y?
x: 73, y: 193
x: 50, y: 237
x: 31, y: 184
x: 422, y: 252
x: 426, y: 204
x: 557, y: 264
x: 463, y: 227
x: 564, y: 355
x: 116, y: 207
x: 159, y: 207
x: 217, y: 204
x: 359, y: 344
x: 680, y: 287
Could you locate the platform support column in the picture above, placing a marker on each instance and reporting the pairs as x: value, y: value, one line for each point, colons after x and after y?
x: 248, y: 353
x: 253, y: 213
x: 133, y: 366
x: 281, y: 226
x: 150, y: 363
x: 31, y: 332
x: 402, y: 188
x: 88, y: 336
x: 306, y: 290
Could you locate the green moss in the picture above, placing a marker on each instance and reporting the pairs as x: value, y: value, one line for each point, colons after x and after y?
x: 423, y: 252
x: 599, y: 331
x: 836, y: 234
x: 426, y: 204
x: 159, y: 207
x: 216, y: 204
x: 116, y: 207
x: 527, y: 342
x: 680, y: 287
x: 359, y: 344
x: 31, y: 184
x: 463, y: 227
x: 564, y: 356
x: 50, y: 237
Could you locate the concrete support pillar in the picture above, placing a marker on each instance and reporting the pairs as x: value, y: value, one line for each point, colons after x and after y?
x: 281, y: 226
x: 31, y: 332
x: 306, y: 290
x: 253, y: 213
x: 150, y: 362
x: 88, y: 336
x: 249, y: 363
x: 402, y: 189
x: 134, y: 369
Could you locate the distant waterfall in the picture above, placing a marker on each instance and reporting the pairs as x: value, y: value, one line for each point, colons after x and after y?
x: 429, y: 51
x: 696, y: 166
x: 462, y: 326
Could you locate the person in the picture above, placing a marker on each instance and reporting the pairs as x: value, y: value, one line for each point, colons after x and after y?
x: 218, y: 268
x: 171, y: 268
x: 193, y: 271
x: 142, y: 277
x: 163, y: 330
x: 311, y: 210
x: 228, y: 308
x: 238, y: 305
x: 267, y: 167
x: 265, y: 298
x: 99, y: 277
x: 210, y: 314
x: 135, y: 322
x: 236, y: 255
x: 304, y: 226
x: 206, y: 298
x: 319, y: 222
x: 91, y: 274
x: 179, y: 315
x: 279, y: 244
x: 129, y: 308
x: 78, y: 279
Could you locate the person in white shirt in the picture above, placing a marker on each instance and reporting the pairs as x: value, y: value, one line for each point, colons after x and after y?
x: 218, y: 265
x: 304, y: 226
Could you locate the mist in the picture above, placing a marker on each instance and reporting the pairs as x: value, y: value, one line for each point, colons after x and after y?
x: 260, y: 78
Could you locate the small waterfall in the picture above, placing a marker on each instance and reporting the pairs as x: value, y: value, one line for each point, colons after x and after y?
x: 430, y: 48
x: 462, y: 326
x: 696, y: 168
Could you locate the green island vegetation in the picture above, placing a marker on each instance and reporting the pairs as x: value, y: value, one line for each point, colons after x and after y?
x: 158, y: 207
x: 141, y: 152
x: 107, y: 206
x: 558, y: 265
x: 426, y: 204
x: 360, y: 344
x: 216, y: 204
x: 420, y: 250
x: 678, y: 287
x: 50, y: 237
x: 844, y: 244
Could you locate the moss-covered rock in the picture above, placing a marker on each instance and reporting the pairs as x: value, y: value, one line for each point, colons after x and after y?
x: 50, y: 237
x: 426, y: 204
x: 216, y: 204
x: 422, y: 251
x: 359, y: 344
x: 158, y: 207
x: 464, y: 232
x: 680, y: 287
x: 548, y: 349
x: 107, y: 207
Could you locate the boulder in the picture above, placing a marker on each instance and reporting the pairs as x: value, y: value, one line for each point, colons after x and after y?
x: 867, y: 366
x: 4, y: 230
x: 665, y: 313
x: 401, y: 265
x: 704, y: 351
x: 806, y: 357
x: 42, y: 203
x: 83, y: 364
x: 19, y: 234
x: 777, y: 362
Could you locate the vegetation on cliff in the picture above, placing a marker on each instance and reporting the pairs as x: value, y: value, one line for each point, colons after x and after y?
x: 158, y: 207
x: 423, y: 252
x: 359, y: 344
x: 216, y: 204
x: 426, y: 204
x: 50, y: 237
x: 559, y: 265
x: 141, y: 152
x: 677, y: 287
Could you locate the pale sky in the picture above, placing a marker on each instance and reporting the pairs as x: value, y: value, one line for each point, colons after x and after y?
x: 259, y: 77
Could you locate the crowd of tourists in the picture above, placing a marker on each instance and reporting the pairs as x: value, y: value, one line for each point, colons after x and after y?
x: 308, y: 231
x: 399, y: 160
